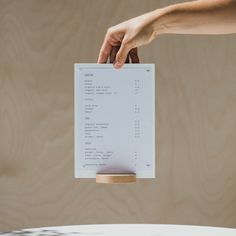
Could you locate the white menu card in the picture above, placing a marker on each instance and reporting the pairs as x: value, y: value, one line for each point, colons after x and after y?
x: 114, y: 120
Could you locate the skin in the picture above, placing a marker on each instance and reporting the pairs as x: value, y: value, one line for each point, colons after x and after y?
x: 196, y: 17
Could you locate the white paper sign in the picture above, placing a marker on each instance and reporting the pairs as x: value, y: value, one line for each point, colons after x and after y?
x: 114, y: 120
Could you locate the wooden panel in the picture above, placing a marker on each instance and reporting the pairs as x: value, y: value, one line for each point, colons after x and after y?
x: 40, y: 41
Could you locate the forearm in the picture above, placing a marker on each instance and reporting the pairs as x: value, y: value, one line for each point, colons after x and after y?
x: 197, y: 17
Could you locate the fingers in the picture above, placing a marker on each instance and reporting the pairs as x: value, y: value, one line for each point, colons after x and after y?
x: 118, y: 54
x: 104, y: 53
x: 122, y: 55
x: 114, y: 51
x: 105, y: 50
x: 134, y: 55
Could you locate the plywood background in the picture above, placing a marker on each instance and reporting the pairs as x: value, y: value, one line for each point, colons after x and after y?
x: 40, y: 40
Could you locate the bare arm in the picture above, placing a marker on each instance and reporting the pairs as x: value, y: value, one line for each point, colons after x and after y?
x: 196, y: 17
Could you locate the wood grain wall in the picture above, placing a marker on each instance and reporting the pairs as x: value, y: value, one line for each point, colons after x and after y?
x: 40, y: 40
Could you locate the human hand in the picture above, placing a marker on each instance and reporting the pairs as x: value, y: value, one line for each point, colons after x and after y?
x: 195, y: 17
x: 121, y: 41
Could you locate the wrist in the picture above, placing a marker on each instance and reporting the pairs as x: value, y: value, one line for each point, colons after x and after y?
x: 161, y: 23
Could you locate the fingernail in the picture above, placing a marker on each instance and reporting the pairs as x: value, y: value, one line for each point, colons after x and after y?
x: 117, y: 65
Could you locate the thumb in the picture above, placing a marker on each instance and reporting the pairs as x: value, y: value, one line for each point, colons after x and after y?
x: 122, y: 55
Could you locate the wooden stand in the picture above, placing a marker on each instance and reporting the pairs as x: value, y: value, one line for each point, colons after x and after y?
x: 115, y: 178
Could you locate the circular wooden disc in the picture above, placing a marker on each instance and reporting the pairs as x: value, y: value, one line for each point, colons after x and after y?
x: 115, y: 178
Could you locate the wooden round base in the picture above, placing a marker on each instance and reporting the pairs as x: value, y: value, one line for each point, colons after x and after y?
x: 115, y: 178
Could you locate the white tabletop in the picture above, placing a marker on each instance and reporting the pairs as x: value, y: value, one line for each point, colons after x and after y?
x: 128, y: 229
